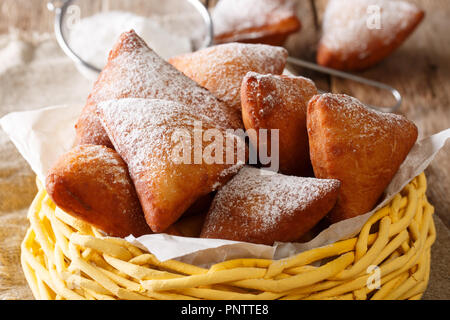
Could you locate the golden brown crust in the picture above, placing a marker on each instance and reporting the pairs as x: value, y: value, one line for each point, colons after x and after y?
x: 260, y: 208
x: 220, y: 69
x: 359, y: 147
x: 280, y: 102
x: 92, y: 184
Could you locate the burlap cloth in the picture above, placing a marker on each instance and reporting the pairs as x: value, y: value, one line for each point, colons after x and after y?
x: 34, y: 73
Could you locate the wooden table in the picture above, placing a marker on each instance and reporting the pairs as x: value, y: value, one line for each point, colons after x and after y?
x: 420, y: 70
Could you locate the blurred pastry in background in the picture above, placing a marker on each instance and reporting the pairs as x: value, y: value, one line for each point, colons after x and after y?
x: 360, y: 147
x: 358, y: 34
x: 279, y: 102
x: 255, y: 21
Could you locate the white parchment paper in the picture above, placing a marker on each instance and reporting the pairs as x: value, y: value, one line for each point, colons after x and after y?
x: 42, y: 136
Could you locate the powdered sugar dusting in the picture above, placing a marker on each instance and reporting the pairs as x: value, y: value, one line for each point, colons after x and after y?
x: 366, y: 121
x: 231, y: 15
x: 268, y: 196
x: 282, y: 91
x: 345, y: 24
x: 221, y: 68
x: 141, y: 130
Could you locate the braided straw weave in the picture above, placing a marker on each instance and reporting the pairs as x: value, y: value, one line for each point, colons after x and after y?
x: 64, y: 258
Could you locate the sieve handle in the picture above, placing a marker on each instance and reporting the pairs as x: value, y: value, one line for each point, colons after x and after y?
x: 344, y: 75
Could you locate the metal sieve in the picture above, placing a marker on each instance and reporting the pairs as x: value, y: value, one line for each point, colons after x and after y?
x: 69, y: 12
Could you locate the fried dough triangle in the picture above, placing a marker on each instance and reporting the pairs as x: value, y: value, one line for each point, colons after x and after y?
x: 261, y: 207
x: 360, y: 147
x: 152, y: 137
x: 92, y: 183
x: 255, y: 21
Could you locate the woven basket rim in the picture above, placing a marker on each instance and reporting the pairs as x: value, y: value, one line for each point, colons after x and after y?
x: 65, y: 258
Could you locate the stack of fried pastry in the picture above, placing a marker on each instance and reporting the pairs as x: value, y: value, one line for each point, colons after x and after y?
x: 358, y: 34
x: 336, y: 157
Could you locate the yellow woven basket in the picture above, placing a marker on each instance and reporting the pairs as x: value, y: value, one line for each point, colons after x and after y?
x: 64, y: 258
